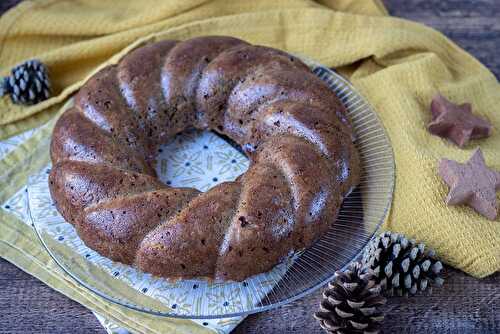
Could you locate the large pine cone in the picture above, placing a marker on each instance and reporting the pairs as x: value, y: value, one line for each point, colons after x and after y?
x: 351, y: 303
x: 402, y: 266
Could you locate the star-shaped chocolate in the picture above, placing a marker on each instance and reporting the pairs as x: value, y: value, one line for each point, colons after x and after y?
x: 472, y: 183
x: 456, y: 122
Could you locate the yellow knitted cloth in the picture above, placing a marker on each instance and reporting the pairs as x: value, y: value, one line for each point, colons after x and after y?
x: 398, y: 65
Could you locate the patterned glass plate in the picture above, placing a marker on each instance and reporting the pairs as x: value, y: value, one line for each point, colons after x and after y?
x: 202, y: 159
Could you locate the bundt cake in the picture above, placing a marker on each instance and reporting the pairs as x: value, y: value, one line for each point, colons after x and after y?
x: 290, y: 124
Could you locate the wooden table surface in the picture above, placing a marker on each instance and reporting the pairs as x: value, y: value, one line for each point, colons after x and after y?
x: 464, y: 304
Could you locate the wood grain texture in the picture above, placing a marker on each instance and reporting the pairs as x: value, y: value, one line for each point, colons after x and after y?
x: 29, y: 306
x: 474, y: 25
x: 464, y: 305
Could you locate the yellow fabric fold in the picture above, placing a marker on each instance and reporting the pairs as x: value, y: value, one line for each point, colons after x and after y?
x: 396, y: 64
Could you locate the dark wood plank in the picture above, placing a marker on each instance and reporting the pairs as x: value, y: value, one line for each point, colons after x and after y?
x: 464, y: 304
x: 474, y: 25
x: 29, y: 306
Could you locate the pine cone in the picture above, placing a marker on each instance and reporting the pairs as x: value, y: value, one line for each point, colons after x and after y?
x: 350, y: 303
x: 27, y: 84
x: 402, y: 266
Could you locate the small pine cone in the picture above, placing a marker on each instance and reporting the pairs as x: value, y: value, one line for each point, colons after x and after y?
x: 28, y: 83
x: 402, y: 266
x: 351, y: 303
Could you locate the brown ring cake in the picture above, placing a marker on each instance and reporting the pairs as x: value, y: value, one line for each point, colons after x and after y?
x: 291, y: 125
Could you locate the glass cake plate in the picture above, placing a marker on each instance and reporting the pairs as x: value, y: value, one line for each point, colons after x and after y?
x: 202, y: 159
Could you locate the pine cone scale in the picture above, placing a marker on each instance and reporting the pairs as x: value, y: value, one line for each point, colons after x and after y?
x: 343, y: 314
x: 354, y: 304
x: 334, y: 301
x: 358, y: 325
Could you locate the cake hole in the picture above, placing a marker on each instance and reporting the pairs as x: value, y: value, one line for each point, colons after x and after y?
x: 195, y: 159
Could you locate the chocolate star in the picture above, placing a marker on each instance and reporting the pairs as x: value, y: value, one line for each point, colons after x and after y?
x: 472, y: 183
x: 456, y: 122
